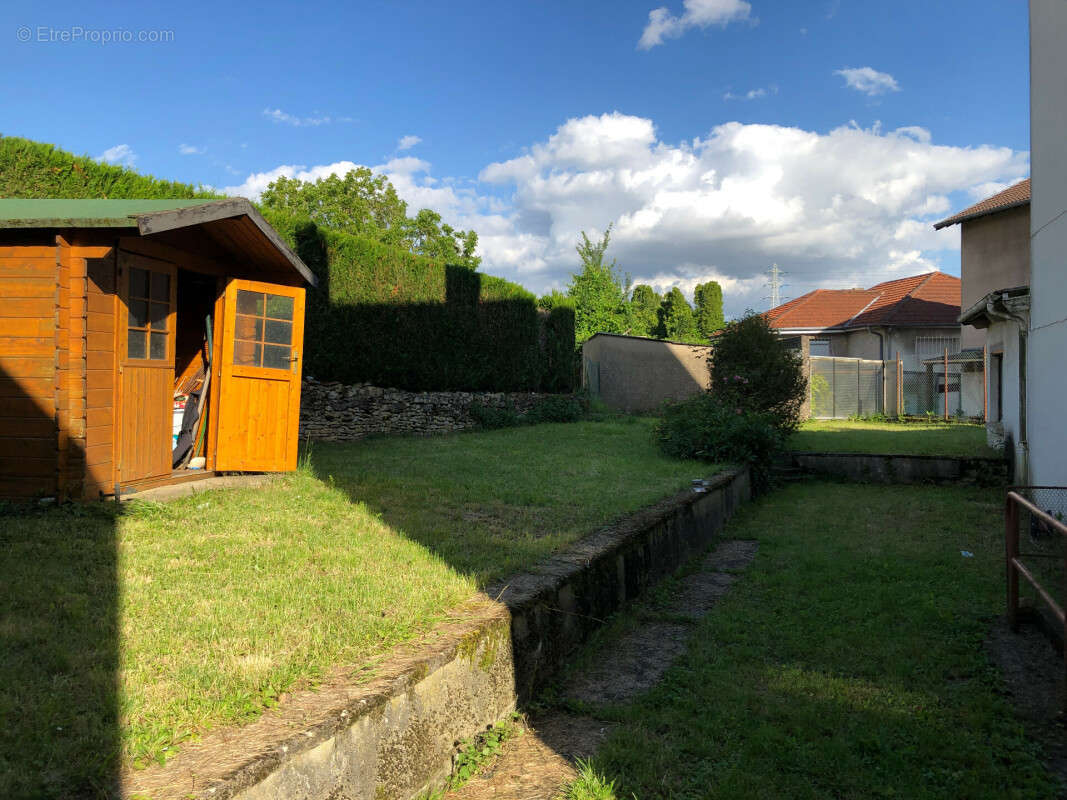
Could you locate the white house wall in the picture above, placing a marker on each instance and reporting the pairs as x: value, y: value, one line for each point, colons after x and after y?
x: 1002, y: 338
x: 1047, y: 361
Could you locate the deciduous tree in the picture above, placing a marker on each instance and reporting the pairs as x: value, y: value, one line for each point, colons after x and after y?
x: 598, y: 291
x: 708, y: 299
x: 366, y: 204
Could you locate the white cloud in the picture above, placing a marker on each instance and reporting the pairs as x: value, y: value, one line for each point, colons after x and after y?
x: 698, y: 13
x: 987, y: 189
x: 407, y: 142
x: 848, y: 207
x: 751, y: 94
x: 276, y: 115
x: 867, y: 80
x: 191, y: 150
x: 119, y: 154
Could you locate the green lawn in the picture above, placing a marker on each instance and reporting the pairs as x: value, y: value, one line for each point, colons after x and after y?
x: 892, y: 438
x: 848, y: 661
x: 124, y: 631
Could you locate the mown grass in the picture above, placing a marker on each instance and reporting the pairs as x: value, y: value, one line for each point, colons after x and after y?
x: 848, y: 661
x: 125, y: 630
x: 893, y: 438
x: 492, y: 502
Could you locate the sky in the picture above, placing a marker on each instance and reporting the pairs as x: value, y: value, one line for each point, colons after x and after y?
x: 716, y: 136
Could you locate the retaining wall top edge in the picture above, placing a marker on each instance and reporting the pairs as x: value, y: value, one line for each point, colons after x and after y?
x: 916, y: 457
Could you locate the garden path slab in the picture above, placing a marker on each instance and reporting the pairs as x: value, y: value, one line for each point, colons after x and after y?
x: 542, y: 761
x: 637, y: 661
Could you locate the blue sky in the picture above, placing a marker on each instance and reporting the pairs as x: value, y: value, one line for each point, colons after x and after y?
x: 717, y: 135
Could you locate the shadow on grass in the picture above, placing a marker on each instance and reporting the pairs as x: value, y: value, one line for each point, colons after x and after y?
x: 59, y: 732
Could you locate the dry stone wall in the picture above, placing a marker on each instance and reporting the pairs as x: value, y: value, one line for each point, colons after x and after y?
x: 338, y: 412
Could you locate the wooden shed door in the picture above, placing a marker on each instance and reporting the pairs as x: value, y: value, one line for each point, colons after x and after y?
x: 146, y: 366
x: 259, y: 386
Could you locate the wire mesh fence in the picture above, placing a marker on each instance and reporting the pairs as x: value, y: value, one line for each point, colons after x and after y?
x: 952, y: 386
x: 846, y: 387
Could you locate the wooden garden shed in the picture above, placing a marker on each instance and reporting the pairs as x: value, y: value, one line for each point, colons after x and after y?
x: 116, y: 313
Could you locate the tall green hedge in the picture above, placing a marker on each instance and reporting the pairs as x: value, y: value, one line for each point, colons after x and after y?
x: 379, y: 314
x: 389, y: 317
x: 36, y: 170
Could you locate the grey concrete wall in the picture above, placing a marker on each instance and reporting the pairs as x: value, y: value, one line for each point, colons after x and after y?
x: 637, y: 374
x: 1046, y: 376
x: 1002, y: 339
x: 870, y: 468
x: 393, y: 733
x: 994, y: 254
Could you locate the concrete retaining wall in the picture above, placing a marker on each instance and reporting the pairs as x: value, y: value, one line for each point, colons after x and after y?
x: 394, y: 736
x: 872, y: 468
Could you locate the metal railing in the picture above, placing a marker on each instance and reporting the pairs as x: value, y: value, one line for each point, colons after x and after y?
x: 1046, y: 542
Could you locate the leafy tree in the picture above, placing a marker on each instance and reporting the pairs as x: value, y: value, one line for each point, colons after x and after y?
x: 753, y: 371
x: 644, y: 310
x: 598, y: 292
x: 708, y: 297
x: 676, y: 320
x: 366, y: 204
x: 554, y: 299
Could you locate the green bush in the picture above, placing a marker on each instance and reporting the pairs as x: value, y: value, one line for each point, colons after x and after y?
x: 752, y: 369
x: 491, y: 417
x: 704, y: 427
x: 560, y: 408
x: 388, y: 316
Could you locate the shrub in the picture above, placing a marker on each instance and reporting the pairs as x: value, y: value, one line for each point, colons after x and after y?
x: 491, y: 417
x: 752, y: 369
x: 560, y: 408
x: 704, y: 427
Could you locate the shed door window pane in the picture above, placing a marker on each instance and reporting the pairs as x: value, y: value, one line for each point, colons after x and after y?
x: 149, y: 311
x: 263, y: 330
x: 135, y: 344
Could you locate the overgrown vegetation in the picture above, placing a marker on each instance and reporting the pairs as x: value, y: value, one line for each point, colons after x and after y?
x: 848, y: 661
x: 387, y: 316
x: 752, y: 405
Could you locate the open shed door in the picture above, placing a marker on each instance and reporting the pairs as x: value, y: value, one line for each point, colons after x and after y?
x: 259, y: 377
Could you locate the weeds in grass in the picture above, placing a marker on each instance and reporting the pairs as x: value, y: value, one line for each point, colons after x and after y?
x: 476, y: 752
x: 589, y: 785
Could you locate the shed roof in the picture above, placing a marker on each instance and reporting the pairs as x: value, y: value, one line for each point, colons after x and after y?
x: 1012, y: 197
x: 229, y: 221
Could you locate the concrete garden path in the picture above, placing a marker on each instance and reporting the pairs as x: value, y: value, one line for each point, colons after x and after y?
x: 541, y: 761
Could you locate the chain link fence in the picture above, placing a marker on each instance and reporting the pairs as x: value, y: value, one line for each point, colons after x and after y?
x: 845, y: 387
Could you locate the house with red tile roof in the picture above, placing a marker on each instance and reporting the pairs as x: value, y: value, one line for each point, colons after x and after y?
x: 917, y: 316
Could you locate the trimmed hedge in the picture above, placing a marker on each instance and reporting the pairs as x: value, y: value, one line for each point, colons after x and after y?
x: 380, y: 315
x: 35, y: 170
x: 389, y: 317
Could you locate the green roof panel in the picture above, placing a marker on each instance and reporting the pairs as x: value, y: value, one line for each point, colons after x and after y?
x: 85, y: 213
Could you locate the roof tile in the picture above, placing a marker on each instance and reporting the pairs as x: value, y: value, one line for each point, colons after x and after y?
x: 929, y: 299
x: 1013, y: 196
